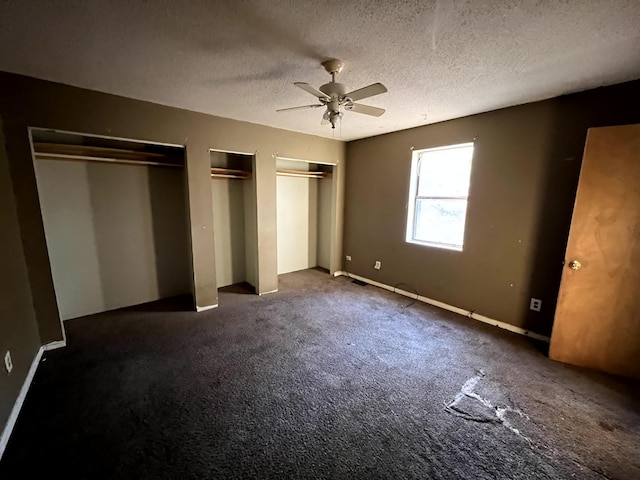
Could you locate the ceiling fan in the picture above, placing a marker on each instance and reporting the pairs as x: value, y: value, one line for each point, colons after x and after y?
x: 336, y: 99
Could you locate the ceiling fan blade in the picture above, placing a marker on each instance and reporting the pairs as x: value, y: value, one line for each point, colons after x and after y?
x: 366, y: 109
x: 366, y: 92
x: 300, y: 108
x: 309, y: 89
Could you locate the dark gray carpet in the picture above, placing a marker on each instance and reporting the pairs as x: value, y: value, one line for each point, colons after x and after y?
x: 325, y: 379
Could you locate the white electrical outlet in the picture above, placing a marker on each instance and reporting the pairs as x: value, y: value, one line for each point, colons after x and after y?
x: 348, y: 258
x: 378, y: 265
x: 7, y: 361
x: 536, y: 304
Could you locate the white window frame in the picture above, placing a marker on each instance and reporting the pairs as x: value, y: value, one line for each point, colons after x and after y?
x: 413, y: 198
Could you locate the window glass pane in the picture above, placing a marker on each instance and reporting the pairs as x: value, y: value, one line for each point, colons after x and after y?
x: 445, y: 173
x: 440, y: 221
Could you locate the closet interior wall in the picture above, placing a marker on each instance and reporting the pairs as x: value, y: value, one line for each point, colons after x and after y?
x: 234, y: 219
x: 116, y: 233
x: 304, y: 207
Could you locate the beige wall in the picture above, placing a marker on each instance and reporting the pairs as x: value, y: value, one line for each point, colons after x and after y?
x: 324, y: 222
x: 234, y: 221
x: 304, y: 219
x: 26, y: 102
x: 297, y: 223
x: 250, y: 227
x: 116, y: 234
x: 297, y: 204
x: 18, y: 329
x: 229, y: 230
x: 523, y: 182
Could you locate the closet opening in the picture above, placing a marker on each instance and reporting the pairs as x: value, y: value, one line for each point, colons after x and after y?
x: 234, y: 221
x: 305, y: 204
x: 115, y: 219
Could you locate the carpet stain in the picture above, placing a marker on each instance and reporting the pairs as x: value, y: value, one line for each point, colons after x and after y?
x: 606, y: 426
x: 468, y: 404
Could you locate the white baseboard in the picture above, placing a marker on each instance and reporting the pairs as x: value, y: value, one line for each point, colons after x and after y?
x: 451, y: 308
x: 54, y: 345
x: 17, y: 406
x: 267, y: 293
x: 204, y: 309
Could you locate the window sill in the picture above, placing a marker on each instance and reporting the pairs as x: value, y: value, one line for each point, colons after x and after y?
x: 444, y: 246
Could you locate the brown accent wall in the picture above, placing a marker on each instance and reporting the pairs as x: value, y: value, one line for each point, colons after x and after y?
x: 18, y: 329
x: 523, y: 183
x: 26, y: 102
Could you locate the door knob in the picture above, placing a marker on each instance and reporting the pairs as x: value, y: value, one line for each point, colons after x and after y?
x: 575, y: 265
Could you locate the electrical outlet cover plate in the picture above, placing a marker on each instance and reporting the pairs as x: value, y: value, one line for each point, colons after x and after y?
x: 7, y: 361
x: 536, y: 304
x: 348, y: 258
x: 378, y: 265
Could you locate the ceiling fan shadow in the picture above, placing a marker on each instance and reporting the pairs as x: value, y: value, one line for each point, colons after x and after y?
x: 263, y: 34
x: 272, y: 74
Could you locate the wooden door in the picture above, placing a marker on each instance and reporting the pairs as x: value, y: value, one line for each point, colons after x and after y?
x: 597, y: 321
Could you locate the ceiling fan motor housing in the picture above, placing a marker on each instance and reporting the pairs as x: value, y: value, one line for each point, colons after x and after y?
x: 334, y: 89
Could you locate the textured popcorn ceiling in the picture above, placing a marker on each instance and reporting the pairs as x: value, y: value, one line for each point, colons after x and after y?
x: 238, y: 59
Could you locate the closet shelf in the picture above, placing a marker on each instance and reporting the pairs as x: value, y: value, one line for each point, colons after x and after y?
x: 68, y: 152
x: 302, y: 173
x: 230, y: 173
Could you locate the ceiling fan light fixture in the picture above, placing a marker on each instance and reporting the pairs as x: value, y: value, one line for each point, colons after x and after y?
x: 334, y: 117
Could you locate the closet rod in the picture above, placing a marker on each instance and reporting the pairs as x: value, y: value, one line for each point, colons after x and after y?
x: 219, y: 175
x: 99, y: 152
x: 229, y: 173
x: 82, y: 158
x: 301, y: 173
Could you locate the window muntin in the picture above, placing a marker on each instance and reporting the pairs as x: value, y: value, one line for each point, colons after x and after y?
x: 438, y: 196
